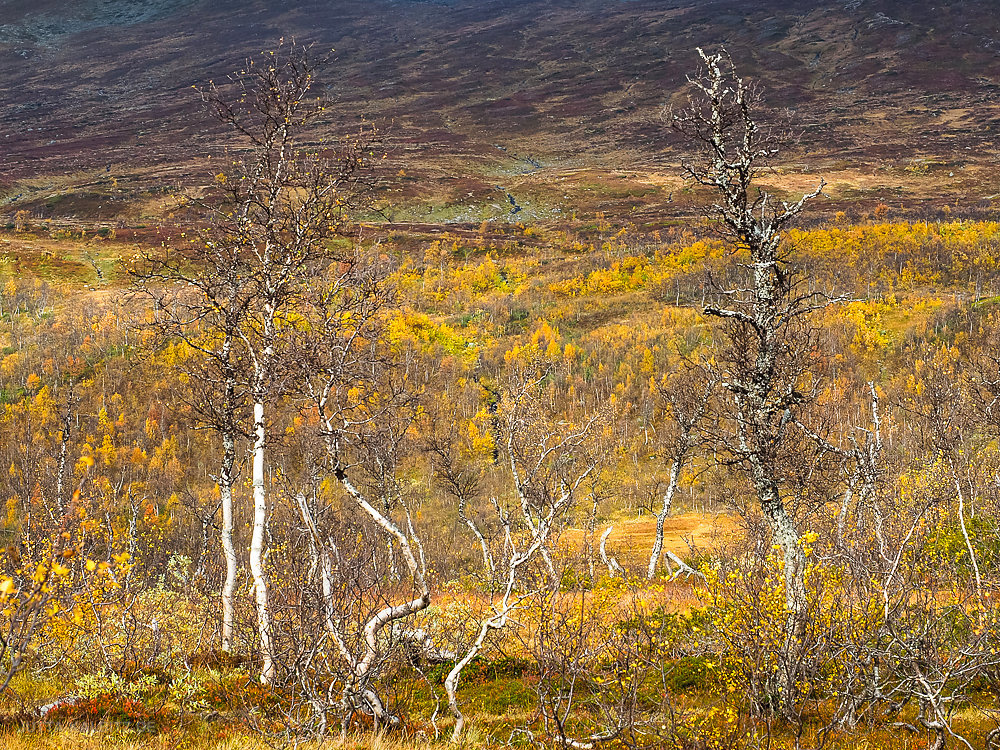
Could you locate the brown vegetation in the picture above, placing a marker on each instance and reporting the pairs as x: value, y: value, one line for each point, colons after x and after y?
x: 281, y: 475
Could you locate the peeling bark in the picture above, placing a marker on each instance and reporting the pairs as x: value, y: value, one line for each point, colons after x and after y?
x: 769, y: 354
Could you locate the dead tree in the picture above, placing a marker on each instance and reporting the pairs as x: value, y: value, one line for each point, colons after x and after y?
x: 766, y: 358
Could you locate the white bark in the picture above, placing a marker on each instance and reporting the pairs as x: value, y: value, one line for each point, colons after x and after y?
x: 761, y: 383
x: 257, y: 545
x: 526, y: 514
x: 484, y: 548
x: 845, y: 505
x: 866, y: 474
x: 61, y: 471
x: 420, y: 642
x: 787, y: 538
x: 614, y: 567
x: 321, y: 561
x: 362, y: 665
x: 228, y: 548
x: 661, y: 517
x: 501, y: 612
x: 539, y: 535
x: 968, y: 541
x: 683, y: 569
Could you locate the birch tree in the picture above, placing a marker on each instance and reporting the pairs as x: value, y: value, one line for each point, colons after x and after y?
x: 277, y: 204
x: 686, y: 398
x: 550, y: 456
x: 861, y: 491
x: 357, y: 391
x: 200, y: 297
x: 765, y: 358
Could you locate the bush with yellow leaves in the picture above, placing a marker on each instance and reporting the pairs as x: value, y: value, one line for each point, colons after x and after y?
x: 752, y: 632
x: 114, y: 624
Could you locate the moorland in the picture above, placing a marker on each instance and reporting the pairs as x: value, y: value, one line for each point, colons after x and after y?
x: 471, y: 416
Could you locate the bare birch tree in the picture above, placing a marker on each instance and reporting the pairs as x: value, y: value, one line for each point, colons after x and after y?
x: 862, y: 489
x: 274, y: 209
x: 686, y: 402
x: 551, y: 456
x: 200, y: 297
x: 351, y: 386
x: 507, y: 565
x: 764, y: 363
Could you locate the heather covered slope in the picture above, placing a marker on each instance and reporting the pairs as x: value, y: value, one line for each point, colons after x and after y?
x: 476, y: 91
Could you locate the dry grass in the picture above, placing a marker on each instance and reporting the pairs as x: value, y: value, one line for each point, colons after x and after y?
x: 109, y: 737
x: 632, y: 539
x: 117, y: 738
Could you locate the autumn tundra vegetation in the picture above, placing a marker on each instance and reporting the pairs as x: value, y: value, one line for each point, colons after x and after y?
x: 295, y: 476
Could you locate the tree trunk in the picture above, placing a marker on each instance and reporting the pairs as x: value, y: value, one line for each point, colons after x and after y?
x: 487, y: 562
x: 61, y: 471
x: 661, y: 517
x: 228, y: 548
x: 257, y: 545
x: 614, y: 567
x: 787, y: 538
x: 965, y: 535
x: 389, y: 613
x: 496, y: 622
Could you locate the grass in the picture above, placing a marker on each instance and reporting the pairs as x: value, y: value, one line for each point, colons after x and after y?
x: 107, y: 736
x: 64, y: 257
x: 493, y: 708
x: 632, y: 538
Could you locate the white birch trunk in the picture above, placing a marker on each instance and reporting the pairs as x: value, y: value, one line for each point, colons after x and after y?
x: 228, y: 548
x: 322, y: 563
x: 61, y: 471
x: 501, y: 613
x: 968, y: 541
x: 487, y: 562
x: 389, y: 614
x: 614, y: 567
x: 257, y: 545
x: 496, y: 622
x: 661, y: 517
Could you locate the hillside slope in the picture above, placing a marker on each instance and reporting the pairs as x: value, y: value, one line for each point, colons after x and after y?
x: 481, y: 86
